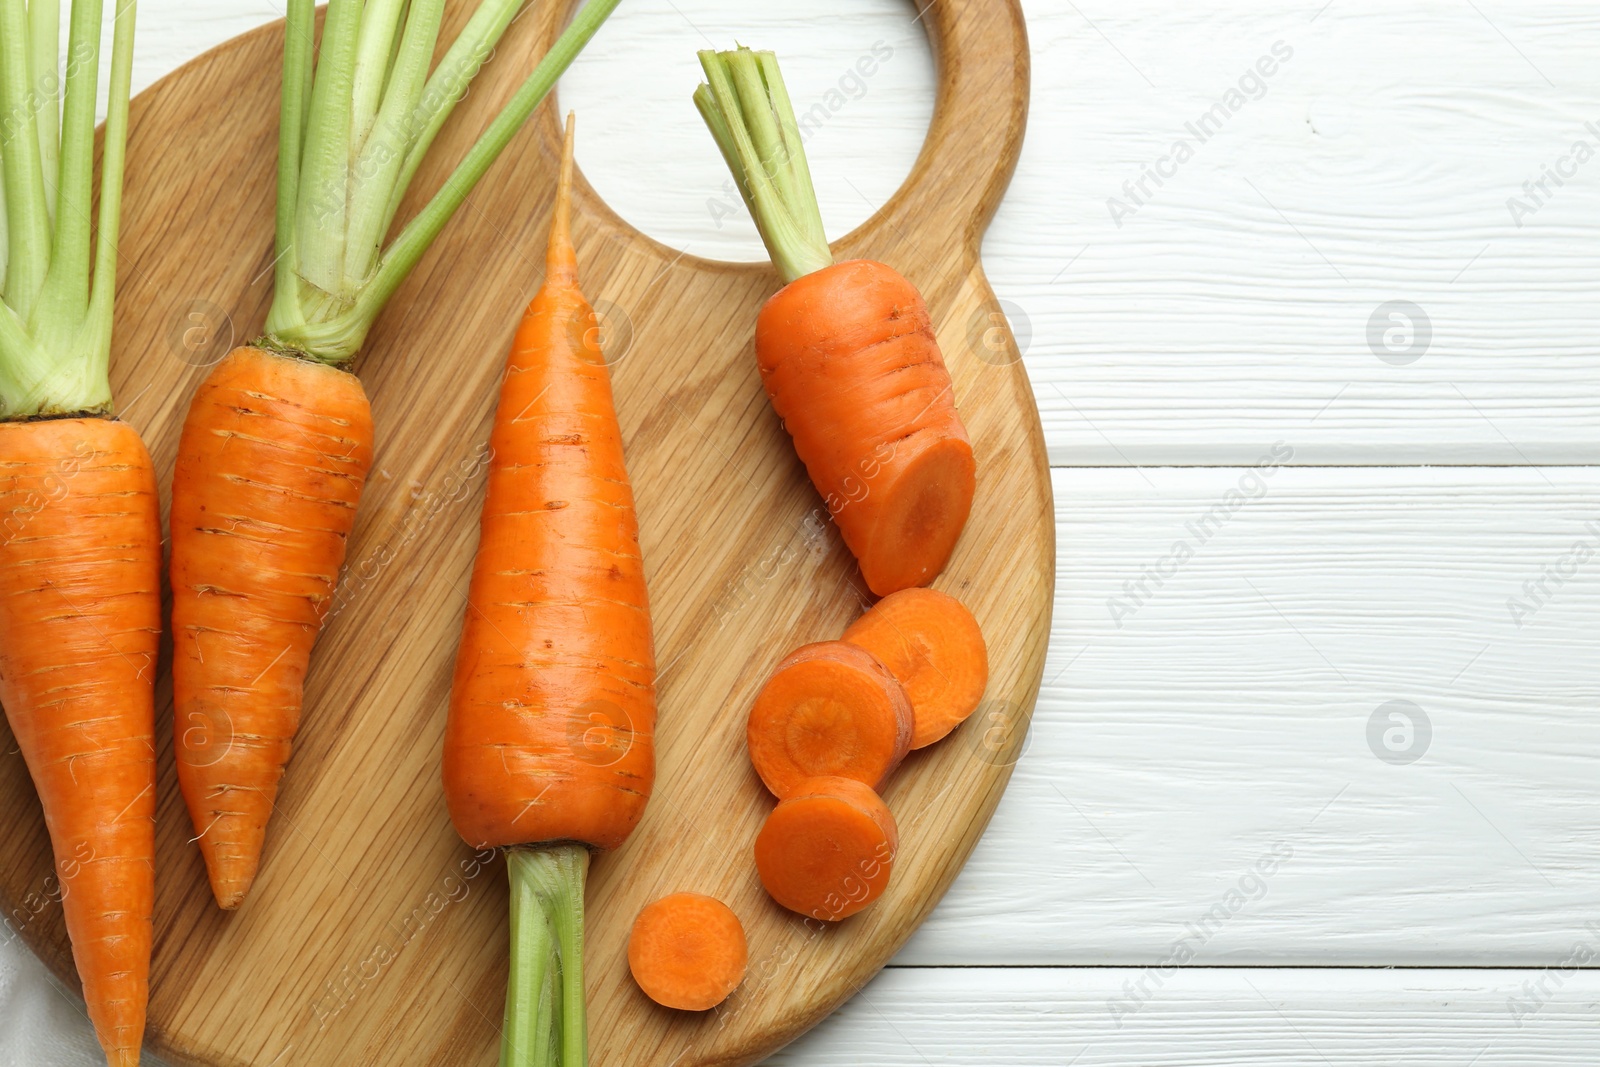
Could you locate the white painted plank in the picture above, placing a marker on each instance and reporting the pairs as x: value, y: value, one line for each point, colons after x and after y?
x: 1212, y: 1018
x: 1234, y: 304
x: 1229, y: 715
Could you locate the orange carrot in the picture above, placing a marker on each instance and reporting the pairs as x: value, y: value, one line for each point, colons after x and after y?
x: 827, y: 850
x: 80, y: 622
x: 270, y: 466
x: 829, y: 710
x: 932, y: 644
x: 688, y: 951
x: 846, y: 350
x: 550, y: 741
x: 279, y: 438
x: 80, y: 528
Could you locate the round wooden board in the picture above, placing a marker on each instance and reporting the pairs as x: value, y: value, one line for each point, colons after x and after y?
x: 372, y: 935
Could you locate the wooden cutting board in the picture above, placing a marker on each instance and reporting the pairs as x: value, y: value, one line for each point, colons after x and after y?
x: 373, y: 936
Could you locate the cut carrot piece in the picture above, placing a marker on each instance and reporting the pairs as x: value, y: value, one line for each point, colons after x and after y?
x: 827, y: 851
x: 846, y: 351
x: 931, y: 643
x: 849, y: 360
x: 688, y: 951
x: 830, y: 709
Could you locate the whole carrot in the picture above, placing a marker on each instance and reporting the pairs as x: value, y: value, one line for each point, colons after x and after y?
x: 278, y: 441
x: 549, y: 748
x: 846, y: 350
x: 80, y: 535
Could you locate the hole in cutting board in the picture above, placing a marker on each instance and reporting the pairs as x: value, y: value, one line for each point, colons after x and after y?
x: 860, y: 73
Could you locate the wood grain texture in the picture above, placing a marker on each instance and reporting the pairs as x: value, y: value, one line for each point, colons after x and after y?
x: 1230, y: 713
x: 1212, y: 1017
x: 372, y: 935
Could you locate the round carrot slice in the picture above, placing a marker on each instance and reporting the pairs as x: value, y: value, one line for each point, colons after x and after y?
x: 932, y: 644
x: 687, y: 951
x: 830, y: 709
x: 827, y: 851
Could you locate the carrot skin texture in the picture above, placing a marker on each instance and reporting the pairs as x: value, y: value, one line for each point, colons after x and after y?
x: 551, y: 733
x: 271, y: 464
x: 80, y: 625
x: 851, y: 365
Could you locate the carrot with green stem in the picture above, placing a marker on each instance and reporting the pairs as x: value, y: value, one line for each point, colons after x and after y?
x: 80, y: 535
x: 550, y: 745
x: 846, y: 350
x: 278, y: 440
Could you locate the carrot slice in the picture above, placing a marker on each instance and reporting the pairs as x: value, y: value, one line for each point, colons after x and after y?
x: 688, y: 951
x: 931, y: 643
x: 830, y: 709
x: 827, y: 851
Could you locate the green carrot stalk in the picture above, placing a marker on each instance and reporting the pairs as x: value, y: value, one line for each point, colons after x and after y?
x: 350, y: 147
x: 57, y: 279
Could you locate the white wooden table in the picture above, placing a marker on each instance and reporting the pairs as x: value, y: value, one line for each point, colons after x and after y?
x: 1313, y: 777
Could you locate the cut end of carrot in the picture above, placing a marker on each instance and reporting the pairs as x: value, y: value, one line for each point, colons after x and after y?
x: 922, y: 517
x: 830, y: 709
x: 931, y: 643
x: 827, y: 851
x: 688, y: 951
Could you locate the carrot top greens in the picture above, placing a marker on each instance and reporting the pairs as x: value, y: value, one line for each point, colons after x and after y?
x: 57, y: 278
x: 748, y: 111
x: 353, y: 128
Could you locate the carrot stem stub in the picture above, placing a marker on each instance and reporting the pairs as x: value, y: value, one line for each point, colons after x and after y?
x: 846, y: 350
x: 545, y: 1020
x: 931, y: 643
x: 829, y: 710
x: 828, y: 849
x: 688, y: 951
